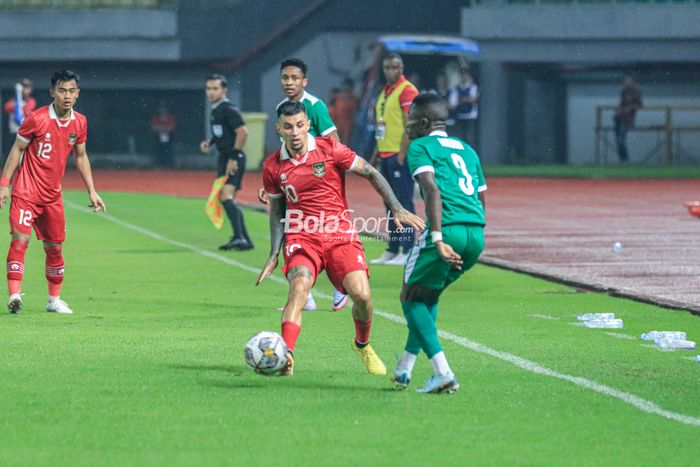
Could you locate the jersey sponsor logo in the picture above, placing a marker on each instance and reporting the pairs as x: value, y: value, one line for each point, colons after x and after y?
x: 319, y: 169
x: 72, y: 138
x: 450, y: 143
x: 217, y: 130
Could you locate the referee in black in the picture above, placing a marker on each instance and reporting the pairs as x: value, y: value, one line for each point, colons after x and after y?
x: 229, y: 134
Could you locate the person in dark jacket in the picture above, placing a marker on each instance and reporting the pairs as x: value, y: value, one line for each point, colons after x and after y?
x: 630, y: 102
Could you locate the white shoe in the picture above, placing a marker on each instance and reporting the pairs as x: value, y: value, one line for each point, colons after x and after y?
x: 398, y: 260
x: 310, y: 304
x: 386, y: 257
x: 14, y: 304
x: 339, y: 300
x: 58, y: 306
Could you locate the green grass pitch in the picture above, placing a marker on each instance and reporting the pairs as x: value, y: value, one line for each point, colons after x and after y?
x: 150, y: 369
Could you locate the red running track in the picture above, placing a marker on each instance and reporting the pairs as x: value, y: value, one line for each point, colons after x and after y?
x: 559, y: 229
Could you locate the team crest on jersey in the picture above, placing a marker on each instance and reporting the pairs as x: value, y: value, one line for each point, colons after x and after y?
x: 218, y: 130
x: 48, y: 136
x: 319, y: 169
x: 71, y: 138
x: 283, y: 178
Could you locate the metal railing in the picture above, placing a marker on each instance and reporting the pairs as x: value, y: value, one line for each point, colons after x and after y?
x: 668, y: 144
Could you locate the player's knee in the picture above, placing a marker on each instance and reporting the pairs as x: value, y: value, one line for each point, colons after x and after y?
x: 361, y: 295
x: 19, y: 245
x: 53, y: 249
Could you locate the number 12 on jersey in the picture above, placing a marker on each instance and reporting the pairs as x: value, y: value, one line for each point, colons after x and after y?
x: 44, y: 150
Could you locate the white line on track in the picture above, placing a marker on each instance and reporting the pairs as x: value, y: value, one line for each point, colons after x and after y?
x: 635, y: 401
x: 541, y: 316
x: 619, y: 335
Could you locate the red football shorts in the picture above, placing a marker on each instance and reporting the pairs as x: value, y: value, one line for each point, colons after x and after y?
x: 48, y: 220
x: 337, y: 258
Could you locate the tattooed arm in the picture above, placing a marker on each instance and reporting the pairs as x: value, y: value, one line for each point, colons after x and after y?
x: 277, y: 211
x: 401, y: 216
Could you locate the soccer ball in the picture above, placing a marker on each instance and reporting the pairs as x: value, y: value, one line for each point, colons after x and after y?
x: 266, y: 353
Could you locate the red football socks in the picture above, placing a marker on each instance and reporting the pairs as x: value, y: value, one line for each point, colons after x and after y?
x: 15, y: 265
x: 362, y: 329
x: 290, y: 333
x: 54, y: 270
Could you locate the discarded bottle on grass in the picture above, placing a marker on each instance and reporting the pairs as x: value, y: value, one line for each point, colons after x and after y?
x: 656, y: 335
x: 675, y: 344
x: 604, y: 323
x: 592, y: 316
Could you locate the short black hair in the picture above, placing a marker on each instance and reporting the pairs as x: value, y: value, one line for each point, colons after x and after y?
x: 296, y: 62
x: 431, y: 106
x: 392, y: 56
x: 63, y: 76
x: 221, y: 78
x: 289, y: 108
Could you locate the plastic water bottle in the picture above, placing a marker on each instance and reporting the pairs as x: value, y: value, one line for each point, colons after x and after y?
x: 592, y: 316
x: 604, y: 323
x: 675, y: 344
x: 656, y: 335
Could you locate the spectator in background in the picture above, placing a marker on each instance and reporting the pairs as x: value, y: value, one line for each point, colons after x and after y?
x: 443, y: 90
x: 392, y: 142
x: 343, y: 107
x: 630, y: 102
x: 162, y: 126
x: 16, y: 113
x: 467, y: 110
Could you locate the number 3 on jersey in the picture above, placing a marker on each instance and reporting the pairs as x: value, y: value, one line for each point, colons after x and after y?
x: 466, y: 183
x: 44, y: 150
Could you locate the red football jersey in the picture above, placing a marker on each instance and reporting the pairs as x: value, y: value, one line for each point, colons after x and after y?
x: 50, y: 141
x: 314, y: 188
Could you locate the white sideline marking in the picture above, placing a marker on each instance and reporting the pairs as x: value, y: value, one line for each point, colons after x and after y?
x: 540, y: 316
x: 621, y: 336
x: 641, y: 404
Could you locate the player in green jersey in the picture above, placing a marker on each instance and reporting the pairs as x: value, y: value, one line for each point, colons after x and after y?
x: 452, y: 184
x: 293, y: 78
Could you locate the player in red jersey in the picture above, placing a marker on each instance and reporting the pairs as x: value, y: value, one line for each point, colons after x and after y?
x: 44, y: 141
x: 305, y: 180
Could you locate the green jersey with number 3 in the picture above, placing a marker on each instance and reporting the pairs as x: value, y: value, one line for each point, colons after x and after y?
x: 458, y: 175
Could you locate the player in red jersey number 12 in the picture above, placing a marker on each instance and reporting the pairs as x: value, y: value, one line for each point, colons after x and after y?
x: 44, y: 142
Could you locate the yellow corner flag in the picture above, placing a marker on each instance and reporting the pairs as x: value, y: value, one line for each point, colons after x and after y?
x: 213, y: 208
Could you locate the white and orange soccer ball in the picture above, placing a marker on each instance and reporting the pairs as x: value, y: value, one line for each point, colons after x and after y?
x: 266, y: 353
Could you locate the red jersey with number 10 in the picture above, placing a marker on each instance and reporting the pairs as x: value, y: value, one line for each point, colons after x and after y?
x: 50, y: 142
x: 314, y: 189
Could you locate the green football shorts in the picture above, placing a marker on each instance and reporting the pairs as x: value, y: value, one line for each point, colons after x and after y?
x: 427, y: 268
